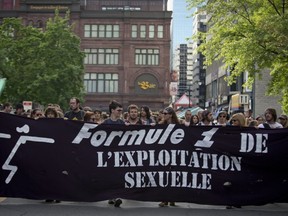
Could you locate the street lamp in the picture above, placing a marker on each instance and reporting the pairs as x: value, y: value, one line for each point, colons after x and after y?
x: 189, y: 94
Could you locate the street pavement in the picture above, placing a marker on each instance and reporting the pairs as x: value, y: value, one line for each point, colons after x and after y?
x: 25, y: 207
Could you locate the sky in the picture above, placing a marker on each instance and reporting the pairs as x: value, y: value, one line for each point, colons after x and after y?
x: 181, y: 25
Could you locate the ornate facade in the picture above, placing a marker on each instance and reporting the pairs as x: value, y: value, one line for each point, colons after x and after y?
x: 127, y: 46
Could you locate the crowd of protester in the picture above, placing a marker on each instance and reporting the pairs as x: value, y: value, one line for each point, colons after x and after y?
x: 144, y: 116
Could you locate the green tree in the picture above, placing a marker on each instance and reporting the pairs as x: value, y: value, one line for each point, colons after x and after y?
x: 249, y: 35
x: 41, y: 66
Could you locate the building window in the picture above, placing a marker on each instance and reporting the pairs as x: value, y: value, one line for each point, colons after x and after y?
x: 134, y: 29
x: 101, y: 82
x: 30, y: 23
x: 160, y: 31
x: 151, y: 31
x: 142, y: 31
x: 39, y: 24
x: 101, y: 31
x: 101, y: 56
x: 147, y: 56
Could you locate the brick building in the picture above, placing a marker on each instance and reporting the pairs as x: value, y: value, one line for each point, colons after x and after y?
x: 127, y: 46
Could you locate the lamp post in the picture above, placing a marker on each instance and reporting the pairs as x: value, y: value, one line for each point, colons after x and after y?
x: 199, y: 94
x: 189, y: 94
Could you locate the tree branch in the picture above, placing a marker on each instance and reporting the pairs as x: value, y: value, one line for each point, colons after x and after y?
x: 274, y: 6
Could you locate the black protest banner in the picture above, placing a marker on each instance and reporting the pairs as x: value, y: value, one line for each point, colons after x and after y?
x: 78, y: 161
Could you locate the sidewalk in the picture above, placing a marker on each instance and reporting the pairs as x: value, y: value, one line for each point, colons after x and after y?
x: 16, y: 207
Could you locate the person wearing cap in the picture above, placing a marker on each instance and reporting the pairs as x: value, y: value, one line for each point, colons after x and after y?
x: 283, y: 120
x: 222, y: 118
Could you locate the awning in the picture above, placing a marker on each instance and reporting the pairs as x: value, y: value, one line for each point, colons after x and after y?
x: 183, y: 101
x: 194, y: 111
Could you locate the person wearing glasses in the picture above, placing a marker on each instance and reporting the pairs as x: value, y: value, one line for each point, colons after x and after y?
x: 222, y: 118
x: 283, y: 120
x: 37, y: 113
x: 169, y: 117
x: 238, y: 119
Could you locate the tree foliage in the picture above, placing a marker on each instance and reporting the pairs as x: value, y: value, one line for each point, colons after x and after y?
x: 44, y: 66
x: 249, y: 35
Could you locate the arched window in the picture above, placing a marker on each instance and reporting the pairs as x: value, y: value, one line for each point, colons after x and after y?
x: 30, y: 23
x: 39, y: 24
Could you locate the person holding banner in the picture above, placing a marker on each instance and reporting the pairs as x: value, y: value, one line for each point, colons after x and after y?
x: 170, y: 117
x: 50, y: 112
x: 115, y: 110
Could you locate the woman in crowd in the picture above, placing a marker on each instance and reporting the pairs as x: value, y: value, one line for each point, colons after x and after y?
x: 260, y: 119
x: 89, y: 116
x: 194, y: 120
x: 50, y: 112
x: 238, y: 119
x: 98, y: 116
x: 170, y: 117
x: 283, y: 120
x: 145, y: 116
x: 160, y: 116
x: 37, y: 113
